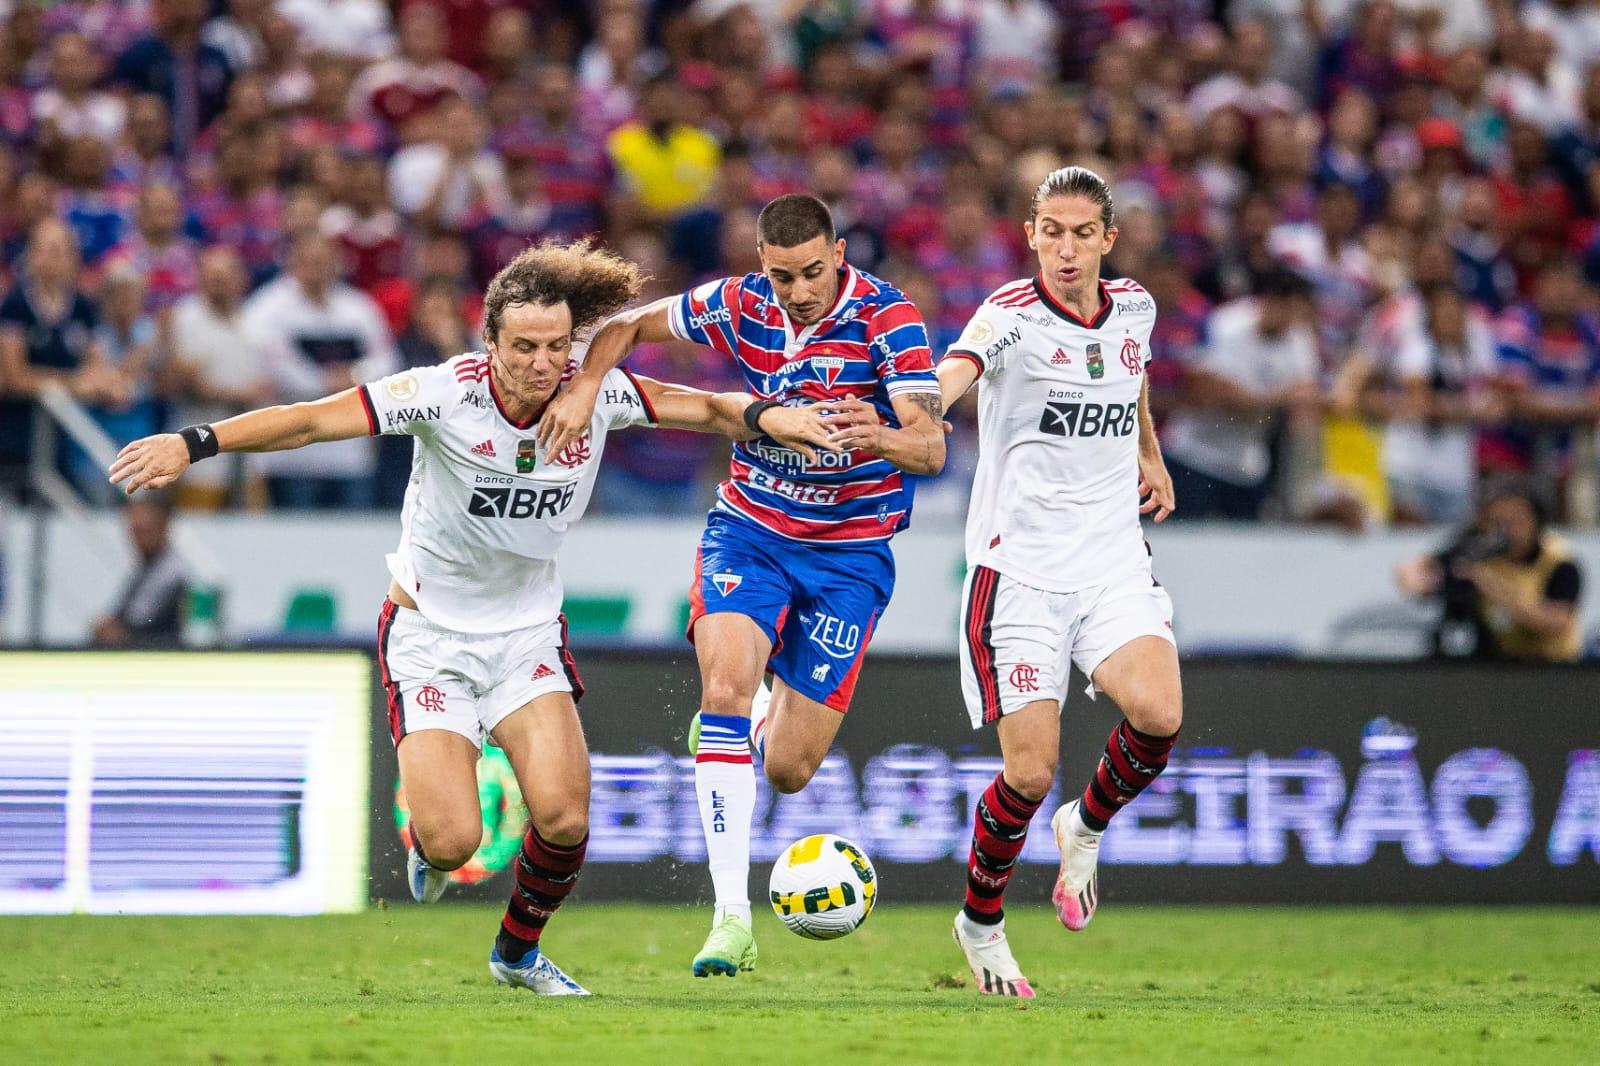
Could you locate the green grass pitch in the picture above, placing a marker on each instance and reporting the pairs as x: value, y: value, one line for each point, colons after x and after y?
x: 1144, y: 984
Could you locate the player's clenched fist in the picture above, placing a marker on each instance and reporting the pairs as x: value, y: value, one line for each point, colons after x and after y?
x: 151, y: 462
x: 801, y: 428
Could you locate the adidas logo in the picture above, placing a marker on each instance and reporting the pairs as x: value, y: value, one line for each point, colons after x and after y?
x: 486, y: 449
x: 1061, y: 358
x: 543, y: 670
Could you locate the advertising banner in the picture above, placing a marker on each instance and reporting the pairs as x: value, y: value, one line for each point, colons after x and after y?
x: 184, y: 783
x: 1293, y: 782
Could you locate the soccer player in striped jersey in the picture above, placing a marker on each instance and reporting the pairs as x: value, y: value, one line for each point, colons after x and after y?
x: 471, y: 639
x: 794, y: 567
x: 1058, y: 568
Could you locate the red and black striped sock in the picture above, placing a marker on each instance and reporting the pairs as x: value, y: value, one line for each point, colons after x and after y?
x: 1131, y: 761
x: 997, y: 838
x: 546, y: 873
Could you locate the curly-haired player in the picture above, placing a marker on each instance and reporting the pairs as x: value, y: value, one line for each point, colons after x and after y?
x: 471, y: 638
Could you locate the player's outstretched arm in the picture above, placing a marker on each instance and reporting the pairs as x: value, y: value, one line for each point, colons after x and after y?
x: 917, y: 447
x: 680, y: 407
x: 567, y: 417
x: 956, y: 375
x: 1155, y: 484
x: 156, y: 462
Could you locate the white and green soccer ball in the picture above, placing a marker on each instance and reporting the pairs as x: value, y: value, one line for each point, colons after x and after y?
x: 823, y: 887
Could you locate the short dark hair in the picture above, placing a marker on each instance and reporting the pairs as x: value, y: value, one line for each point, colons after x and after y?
x: 793, y: 219
x: 1075, y: 181
x: 592, y: 282
x: 1280, y: 282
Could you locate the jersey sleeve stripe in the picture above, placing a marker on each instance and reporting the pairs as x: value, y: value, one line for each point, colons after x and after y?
x: 649, y: 409
x: 371, y: 412
x: 962, y: 353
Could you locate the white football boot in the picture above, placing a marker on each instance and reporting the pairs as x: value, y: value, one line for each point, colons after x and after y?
x: 536, y: 973
x: 427, y: 884
x: 1077, y: 891
x: 989, y: 956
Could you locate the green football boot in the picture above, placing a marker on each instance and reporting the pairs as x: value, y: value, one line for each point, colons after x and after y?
x: 731, y: 947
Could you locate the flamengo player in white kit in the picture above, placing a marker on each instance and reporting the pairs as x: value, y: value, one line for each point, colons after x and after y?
x: 1058, y: 568
x: 471, y: 639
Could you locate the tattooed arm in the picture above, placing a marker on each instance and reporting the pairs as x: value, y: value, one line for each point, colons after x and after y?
x: 917, y: 447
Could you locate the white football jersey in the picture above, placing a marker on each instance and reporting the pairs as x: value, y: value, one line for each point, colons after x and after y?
x: 486, y: 510
x: 1055, y: 501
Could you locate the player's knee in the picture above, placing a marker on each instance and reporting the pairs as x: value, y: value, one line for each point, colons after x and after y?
x: 565, y: 828
x: 789, y: 777
x: 1158, y: 718
x: 1032, y: 775
x: 726, y: 696
x: 449, y: 846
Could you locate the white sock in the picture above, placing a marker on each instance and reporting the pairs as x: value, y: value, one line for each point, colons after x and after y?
x: 725, y: 785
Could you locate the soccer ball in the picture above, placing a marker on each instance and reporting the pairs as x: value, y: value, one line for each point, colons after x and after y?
x: 823, y: 887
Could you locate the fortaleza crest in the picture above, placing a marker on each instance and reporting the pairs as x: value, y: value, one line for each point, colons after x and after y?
x: 726, y: 582
x: 827, y: 366
x: 1094, y: 361
x: 526, y: 454
x: 1130, y: 356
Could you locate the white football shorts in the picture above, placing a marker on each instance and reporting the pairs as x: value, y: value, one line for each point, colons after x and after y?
x: 1019, y: 643
x: 437, y: 678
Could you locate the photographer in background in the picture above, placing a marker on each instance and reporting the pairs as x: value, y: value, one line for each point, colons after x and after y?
x: 1508, y: 586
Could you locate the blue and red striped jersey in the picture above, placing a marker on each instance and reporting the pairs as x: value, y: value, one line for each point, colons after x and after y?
x: 871, y: 345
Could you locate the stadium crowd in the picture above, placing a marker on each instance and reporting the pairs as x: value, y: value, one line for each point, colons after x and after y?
x: 1370, y: 227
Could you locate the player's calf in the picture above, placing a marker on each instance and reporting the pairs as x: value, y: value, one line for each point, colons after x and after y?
x: 545, y: 875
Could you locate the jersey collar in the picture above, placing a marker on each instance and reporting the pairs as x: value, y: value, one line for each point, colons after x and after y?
x: 1070, y: 315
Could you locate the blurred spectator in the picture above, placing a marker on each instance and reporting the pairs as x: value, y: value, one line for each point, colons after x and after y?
x: 664, y: 164
x: 47, y: 334
x: 325, y: 118
x: 1248, y: 87
x: 394, y: 91
x: 158, y: 251
x: 242, y: 206
x: 1573, y: 25
x: 316, y: 335
x: 574, y: 169
x: 448, y: 180
x: 72, y: 107
x: 1435, y: 391
x: 1014, y: 42
x: 145, y: 154
x: 1482, y: 270
x: 1549, y: 351
x: 370, y: 235
x: 1507, y: 587
x: 149, y: 612
x: 190, y: 76
x: 522, y: 217
x: 98, y: 214
x: 1327, y: 252
x: 214, y: 373
x: 127, y: 337
x: 1258, y: 363
x: 967, y: 260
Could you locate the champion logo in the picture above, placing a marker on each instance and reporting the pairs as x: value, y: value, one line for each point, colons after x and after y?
x: 726, y: 583
x: 486, y: 449
x: 1061, y: 358
x: 541, y: 672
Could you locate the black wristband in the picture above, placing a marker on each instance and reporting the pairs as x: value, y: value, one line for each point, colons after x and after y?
x: 200, y: 440
x: 752, y: 413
